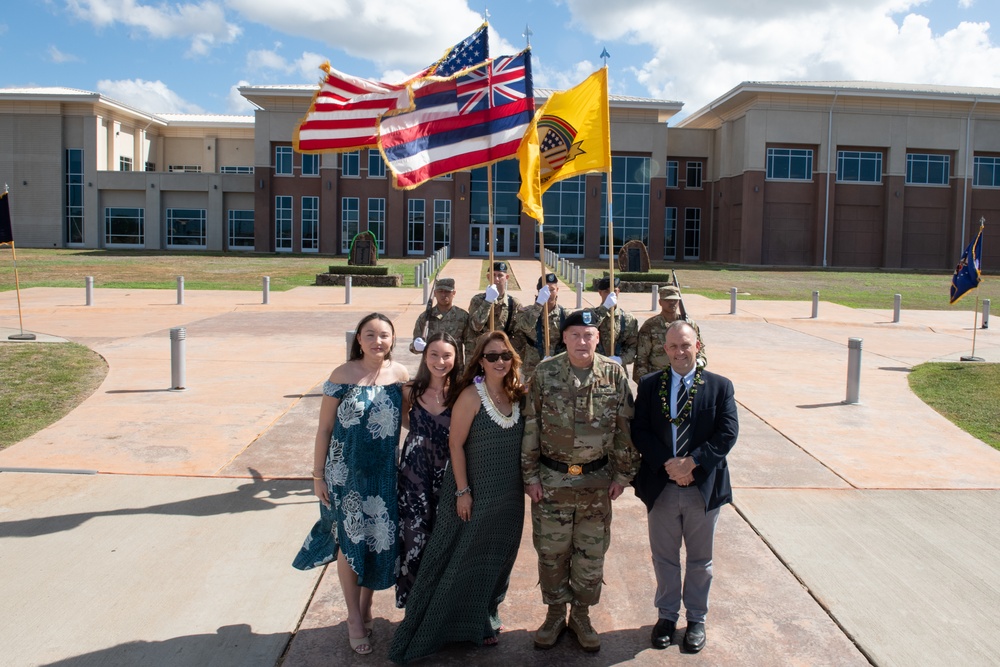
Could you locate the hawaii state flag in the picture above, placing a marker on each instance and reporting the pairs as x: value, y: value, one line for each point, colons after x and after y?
x: 6, y: 229
x: 968, y: 273
x: 345, y: 110
x: 475, y: 118
x: 570, y: 135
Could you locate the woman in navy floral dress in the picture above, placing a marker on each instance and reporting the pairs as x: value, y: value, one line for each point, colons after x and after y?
x: 354, y: 474
x: 425, y: 452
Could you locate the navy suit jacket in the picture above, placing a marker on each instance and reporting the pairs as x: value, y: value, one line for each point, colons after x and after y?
x: 715, y: 427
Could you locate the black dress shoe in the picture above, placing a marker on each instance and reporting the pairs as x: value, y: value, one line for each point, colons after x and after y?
x: 694, y: 637
x: 663, y: 633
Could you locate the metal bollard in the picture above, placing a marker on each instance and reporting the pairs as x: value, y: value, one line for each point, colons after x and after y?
x: 347, y: 289
x: 89, y: 282
x: 178, y: 337
x: 656, y: 299
x: 986, y: 314
x: 349, y: 339
x: 180, y: 290
x: 427, y: 289
x: 417, y: 278
x: 732, y: 300
x: 853, y: 371
x: 583, y: 276
x: 579, y: 295
x: 815, y: 304
x: 897, y: 301
x: 266, y: 289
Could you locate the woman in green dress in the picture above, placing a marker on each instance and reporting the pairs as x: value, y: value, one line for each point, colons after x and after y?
x: 466, y: 566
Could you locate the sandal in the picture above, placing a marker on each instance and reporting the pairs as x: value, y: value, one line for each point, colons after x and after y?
x: 491, y: 641
x: 369, y: 625
x: 361, y: 645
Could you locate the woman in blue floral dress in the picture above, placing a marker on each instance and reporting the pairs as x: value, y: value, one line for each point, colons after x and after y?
x: 425, y: 452
x: 354, y: 474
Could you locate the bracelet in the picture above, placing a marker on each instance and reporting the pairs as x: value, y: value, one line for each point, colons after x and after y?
x: 459, y: 494
x: 318, y: 478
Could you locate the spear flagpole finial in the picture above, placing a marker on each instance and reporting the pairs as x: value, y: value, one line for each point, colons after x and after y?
x: 527, y: 34
x: 605, y: 55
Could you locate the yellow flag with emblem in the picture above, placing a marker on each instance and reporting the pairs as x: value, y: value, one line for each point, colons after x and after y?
x: 569, y: 135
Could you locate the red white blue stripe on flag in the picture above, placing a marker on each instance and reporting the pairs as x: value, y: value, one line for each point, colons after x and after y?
x: 470, y: 120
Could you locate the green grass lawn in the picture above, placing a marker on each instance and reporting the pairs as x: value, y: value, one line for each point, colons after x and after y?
x: 42, y: 382
x: 966, y: 393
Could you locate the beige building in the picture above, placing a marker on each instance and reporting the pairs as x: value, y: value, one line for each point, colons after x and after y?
x: 811, y: 174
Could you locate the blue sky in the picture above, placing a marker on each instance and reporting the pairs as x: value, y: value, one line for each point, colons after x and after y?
x: 189, y: 57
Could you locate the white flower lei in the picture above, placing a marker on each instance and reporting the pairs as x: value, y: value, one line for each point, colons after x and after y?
x: 500, y: 419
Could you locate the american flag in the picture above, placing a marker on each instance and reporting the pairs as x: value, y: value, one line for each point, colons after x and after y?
x: 470, y: 120
x: 345, y: 111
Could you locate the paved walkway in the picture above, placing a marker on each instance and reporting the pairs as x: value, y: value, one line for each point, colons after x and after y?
x: 860, y: 533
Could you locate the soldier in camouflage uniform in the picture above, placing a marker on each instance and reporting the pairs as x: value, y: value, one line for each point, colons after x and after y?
x: 626, y: 326
x: 529, y: 327
x: 651, y: 356
x: 504, y: 308
x: 576, y: 457
x: 442, y: 316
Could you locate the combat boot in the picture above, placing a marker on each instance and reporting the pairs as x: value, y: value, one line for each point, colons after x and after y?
x: 555, y: 622
x: 579, y: 623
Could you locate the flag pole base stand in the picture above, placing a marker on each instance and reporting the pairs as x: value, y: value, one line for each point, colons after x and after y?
x: 21, y: 336
x: 971, y: 359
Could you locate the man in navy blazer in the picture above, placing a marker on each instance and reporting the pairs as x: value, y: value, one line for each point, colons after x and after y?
x: 685, y: 424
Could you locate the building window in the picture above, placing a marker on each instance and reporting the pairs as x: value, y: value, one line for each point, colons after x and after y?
x: 790, y: 164
x: 124, y: 227
x: 350, y: 164
x: 150, y: 166
x: 310, y: 224
x: 349, y: 216
x: 124, y: 163
x: 184, y: 168
x: 283, y: 223
x: 376, y: 221
x: 442, y: 223
x: 282, y: 160
x: 670, y: 233
x: 506, y: 205
x: 692, y: 233
x: 415, y: 218
x: 240, y: 229
x: 565, y: 205
x: 236, y: 169
x: 927, y: 169
x: 376, y: 165
x: 185, y: 228
x: 310, y: 165
x: 693, y: 175
x: 986, y: 171
x: 73, y: 223
x: 859, y: 166
x: 630, y: 201
x: 672, y: 168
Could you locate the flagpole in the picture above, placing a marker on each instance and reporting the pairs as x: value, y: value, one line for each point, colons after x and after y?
x: 975, y: 322
x: 17, y: 286
x: 490, y: 238
x: 611, y: 264
x: 541, y: 261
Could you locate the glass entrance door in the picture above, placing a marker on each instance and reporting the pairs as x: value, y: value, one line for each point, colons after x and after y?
x: 508, y: 240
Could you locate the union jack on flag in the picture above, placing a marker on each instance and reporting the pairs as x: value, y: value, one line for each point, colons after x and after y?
x: 471, y: 120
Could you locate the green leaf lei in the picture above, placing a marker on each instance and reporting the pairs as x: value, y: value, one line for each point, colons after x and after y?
x: 665, y: 396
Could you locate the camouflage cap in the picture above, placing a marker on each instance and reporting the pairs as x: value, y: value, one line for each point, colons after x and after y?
x: 445, y: 284
x: 579, y: 318
x: 605, y: 283
x: 670, y: 293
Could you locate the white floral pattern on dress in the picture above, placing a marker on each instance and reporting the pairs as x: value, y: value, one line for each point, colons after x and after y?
x: 354, y: 521
x: 336, y: 468
x: 384, y: 417
x: 380, y: 530
x: 350, y: 411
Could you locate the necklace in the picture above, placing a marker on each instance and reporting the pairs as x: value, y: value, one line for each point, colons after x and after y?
x: 685, y: 411
x: 374, y: 380
x: 499, y: 418
x: 438, y: 394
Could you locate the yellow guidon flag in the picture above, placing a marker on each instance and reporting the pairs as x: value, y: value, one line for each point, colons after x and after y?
x: 569, y: 135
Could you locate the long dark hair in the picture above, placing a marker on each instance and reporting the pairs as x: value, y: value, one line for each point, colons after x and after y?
x: 423, y: 379
x: 512, y: 384
x: 356, y: 351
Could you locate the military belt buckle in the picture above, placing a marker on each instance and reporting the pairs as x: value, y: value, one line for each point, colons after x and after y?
x: 575, y: 470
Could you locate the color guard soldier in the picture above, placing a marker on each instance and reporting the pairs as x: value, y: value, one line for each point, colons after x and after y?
x: 651, y: 356
x: 529, y: 328
x: 442, y: 316
x: 626, y: 326
x: 504, y: 308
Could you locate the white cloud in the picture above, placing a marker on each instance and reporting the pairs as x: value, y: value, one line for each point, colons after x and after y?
x: 58, y: 57
x: 403, y: 35
x: 701, y: 50
x: 966, y: 4
x: 260, y: 62
x: 236, y: 103
x: 203, y: 23
x: 544, y: 77
x: 149, y: 96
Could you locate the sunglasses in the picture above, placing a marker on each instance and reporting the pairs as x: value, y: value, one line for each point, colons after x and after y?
x: 493, y: 357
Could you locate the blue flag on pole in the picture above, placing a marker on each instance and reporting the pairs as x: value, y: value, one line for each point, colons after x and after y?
x: 6, y: 230
x: 968, y: 273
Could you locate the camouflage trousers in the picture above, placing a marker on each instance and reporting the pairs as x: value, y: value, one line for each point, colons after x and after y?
x: 571, y: 533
